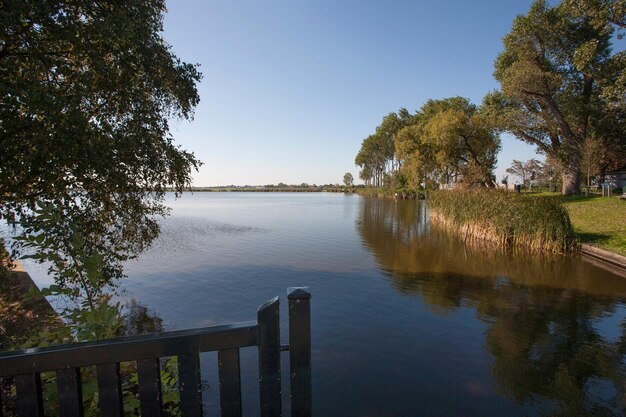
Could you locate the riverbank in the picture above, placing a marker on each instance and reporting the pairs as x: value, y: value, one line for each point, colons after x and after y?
x: 598, y: 221
x: 24, y: 311
x: 389, y: 193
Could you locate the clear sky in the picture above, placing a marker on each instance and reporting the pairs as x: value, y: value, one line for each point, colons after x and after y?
x: 292, y: 87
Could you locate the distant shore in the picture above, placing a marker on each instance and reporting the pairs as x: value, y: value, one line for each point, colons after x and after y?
x: 273, y: 189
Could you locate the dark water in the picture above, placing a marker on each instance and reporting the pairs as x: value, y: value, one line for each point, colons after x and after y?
x: 406, y: 320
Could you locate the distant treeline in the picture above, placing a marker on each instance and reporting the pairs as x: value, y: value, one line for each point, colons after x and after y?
x: 280, y: 188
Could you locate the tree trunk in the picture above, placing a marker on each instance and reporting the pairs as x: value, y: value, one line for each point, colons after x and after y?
x: 570, y: 180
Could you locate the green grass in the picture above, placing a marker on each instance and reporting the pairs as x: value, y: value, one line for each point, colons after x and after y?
x: 598, y: 221
x: 504, y: 218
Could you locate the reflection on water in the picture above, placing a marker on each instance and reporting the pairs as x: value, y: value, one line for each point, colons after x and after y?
x: 406, y: 320
x: 544, y: 313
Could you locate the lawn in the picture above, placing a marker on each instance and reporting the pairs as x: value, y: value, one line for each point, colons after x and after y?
x: 598, y: 221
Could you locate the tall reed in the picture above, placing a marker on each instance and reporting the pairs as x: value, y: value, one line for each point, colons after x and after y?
x: 505, y: 218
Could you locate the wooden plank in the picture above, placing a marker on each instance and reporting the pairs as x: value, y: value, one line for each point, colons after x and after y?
x: 190, y: 387
x: 129, y: 348
x: 150, y: 400
x: 110, y: 401
x: 1, y: 406
x: 269, y: 359
x: 300, y: 351
x: 230, y: 382
x: 29, y: 400
x: 69, y: 392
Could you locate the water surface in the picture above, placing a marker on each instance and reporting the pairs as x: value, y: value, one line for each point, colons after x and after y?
x: 406, y: 320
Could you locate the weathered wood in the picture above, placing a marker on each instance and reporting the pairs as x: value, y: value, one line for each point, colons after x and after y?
x: 70, y: 392
x: 29, y: 399
x: 150, y: 401
x: 125, y: 349
x: 110, y: 399
x: 190, y: 388
x: 300, y: 351
x: 269, y: 359
x: 230, y: 382
x: 146, y: 350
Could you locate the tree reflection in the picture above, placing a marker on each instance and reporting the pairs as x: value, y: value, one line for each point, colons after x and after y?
x: 542, y: 310
x: 139, y: 319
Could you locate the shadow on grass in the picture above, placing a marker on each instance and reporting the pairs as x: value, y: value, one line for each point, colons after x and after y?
x: 593, y: 238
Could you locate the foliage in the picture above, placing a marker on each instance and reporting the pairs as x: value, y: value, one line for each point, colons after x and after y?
x: 562, y: 83
x: 391, y: 193
x: 348, y: 180
x: 590, y: 158
x: 87, y: 90
x: 376, y: 156
x: 25, y: 324
x: 508, y: 219
x: 526, y: 171
x: 446, y: 140
x: 450, y: 140
x: 135, y: 318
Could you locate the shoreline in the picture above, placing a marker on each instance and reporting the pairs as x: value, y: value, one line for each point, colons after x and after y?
x: 613, y: 259
x: 25, y: 283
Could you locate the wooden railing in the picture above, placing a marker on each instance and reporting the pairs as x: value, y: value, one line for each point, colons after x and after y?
x: 66, y: 360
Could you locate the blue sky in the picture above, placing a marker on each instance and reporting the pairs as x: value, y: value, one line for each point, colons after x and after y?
x: 292, y: 87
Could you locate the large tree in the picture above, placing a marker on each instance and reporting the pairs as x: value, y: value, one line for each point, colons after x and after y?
x: 450, y: 140
x: 86, y: 92
x: 562, y: 83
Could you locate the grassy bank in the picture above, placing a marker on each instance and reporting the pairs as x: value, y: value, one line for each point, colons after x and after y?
x: 504, y: 218
x: 598, y: 221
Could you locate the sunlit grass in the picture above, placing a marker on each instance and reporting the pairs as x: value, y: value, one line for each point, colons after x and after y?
x: 598, y: 221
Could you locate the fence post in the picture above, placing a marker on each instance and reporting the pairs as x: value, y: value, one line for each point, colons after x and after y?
x: 300, y: 350
x: 269, y: 358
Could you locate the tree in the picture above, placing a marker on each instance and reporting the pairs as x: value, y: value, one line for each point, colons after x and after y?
x: 526, y: 171
x: 87, y: 90
x: 451, y: 140
x: 372, y: 158
x: 562, y: 83
x: 590, y: 158
x: 377, y: 154
x: 348, y: 179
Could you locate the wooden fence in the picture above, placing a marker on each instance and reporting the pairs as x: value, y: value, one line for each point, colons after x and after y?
x: 66, y: 360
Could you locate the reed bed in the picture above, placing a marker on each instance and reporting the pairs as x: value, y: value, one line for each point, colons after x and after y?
x: 505, y: 219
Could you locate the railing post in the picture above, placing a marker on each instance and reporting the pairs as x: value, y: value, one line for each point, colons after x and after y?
x: 300, y: 350
x: 269, y: 358
x: 29, y: 398
x: 110, y: 398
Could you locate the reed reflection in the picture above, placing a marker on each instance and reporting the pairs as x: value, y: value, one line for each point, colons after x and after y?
x: 546, y: 314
